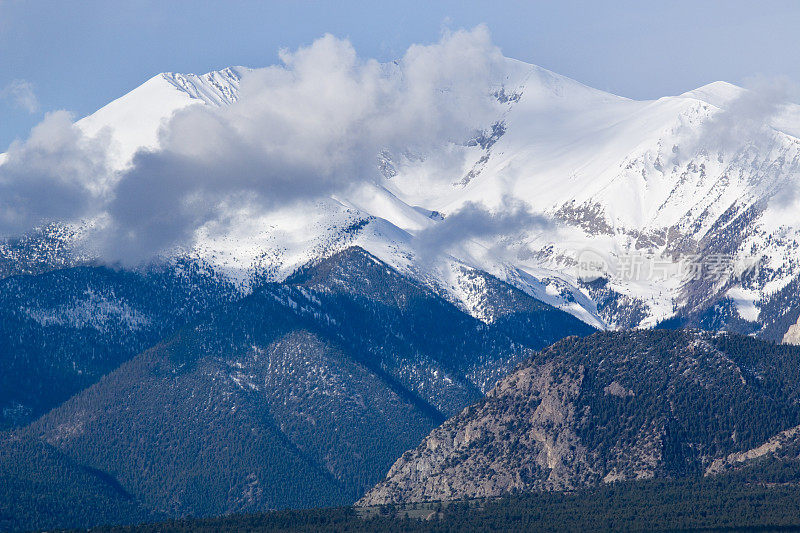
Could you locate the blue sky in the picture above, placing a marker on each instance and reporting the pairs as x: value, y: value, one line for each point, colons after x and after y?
x: 78, y: 55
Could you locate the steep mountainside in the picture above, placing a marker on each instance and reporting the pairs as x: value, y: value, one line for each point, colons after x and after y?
x: 300, y: 394
x: 609, y: 407
x: 62, y: 330
x: 44, y: 488
x: 424, y: 341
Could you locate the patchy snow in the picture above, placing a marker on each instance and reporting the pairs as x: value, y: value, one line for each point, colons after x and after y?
x: 746, y: 302
x: 93, y: 310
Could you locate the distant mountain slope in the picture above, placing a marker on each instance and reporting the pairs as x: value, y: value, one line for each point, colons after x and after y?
x: 300, y: 394
x: 609, y: 407
x: 61, y: 331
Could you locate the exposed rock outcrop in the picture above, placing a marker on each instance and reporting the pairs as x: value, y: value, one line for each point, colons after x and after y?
x: 609, y: 407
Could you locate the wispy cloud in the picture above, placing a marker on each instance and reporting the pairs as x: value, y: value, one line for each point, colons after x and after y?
x: 747, y: 118
x: 22, y: 95
x: 474, y: 221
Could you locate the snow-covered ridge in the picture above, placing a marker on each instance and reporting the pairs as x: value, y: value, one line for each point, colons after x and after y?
x: 717, y: 93
x: 134, y: 119
x: 629, y: 181
x: 219, y: 87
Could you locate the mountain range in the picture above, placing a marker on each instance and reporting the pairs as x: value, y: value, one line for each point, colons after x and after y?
x: 659, y: 210
x: 629, y: 329
x: 300, y: 394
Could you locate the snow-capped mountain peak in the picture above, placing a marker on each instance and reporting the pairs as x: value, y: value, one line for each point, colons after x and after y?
x: 135, y: 118
x: 717, y: 93
x: 654, y: 186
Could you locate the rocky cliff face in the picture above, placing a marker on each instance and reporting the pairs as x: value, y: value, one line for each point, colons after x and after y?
x: 613, y: 406
x: 499, y: 446
x: 793, y: 335
x: 783, y: 447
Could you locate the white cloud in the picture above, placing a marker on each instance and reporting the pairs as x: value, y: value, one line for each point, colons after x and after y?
x: 747, y: 122
x: 746, y: 119
x: 51, y: 176
x: 475, y: 221
x: 309, y: 127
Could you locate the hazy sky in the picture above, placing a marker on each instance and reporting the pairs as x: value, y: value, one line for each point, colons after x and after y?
x: 80, y: 54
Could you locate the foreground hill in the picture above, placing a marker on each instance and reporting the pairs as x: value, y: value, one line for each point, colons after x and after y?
x: 609, y: 407
x: 299, y: 395
x: 44, y: 488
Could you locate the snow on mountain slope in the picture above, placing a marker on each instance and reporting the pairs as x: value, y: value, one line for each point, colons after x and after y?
x: 717, y: 93
x: 651, y: 186
x: 134, y: 119
x: 661, y: 212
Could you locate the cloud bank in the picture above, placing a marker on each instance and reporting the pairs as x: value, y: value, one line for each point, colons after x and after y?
x: 51, y: 177
x: 473, y: 221
x: 306, y: 128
